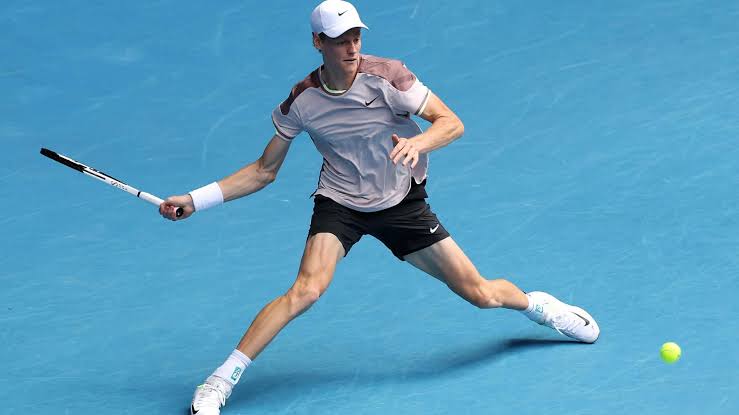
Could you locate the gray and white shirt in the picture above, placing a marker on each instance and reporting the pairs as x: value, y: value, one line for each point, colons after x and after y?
x: 352, y: 129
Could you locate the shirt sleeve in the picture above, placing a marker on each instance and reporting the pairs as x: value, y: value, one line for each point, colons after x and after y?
x: 286, y: 119
x: 405, y: 92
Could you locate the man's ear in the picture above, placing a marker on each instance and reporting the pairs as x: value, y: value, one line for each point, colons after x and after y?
x: 316, y: 42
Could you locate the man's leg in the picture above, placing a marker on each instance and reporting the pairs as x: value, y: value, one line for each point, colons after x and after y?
x: 322, y: 252
x: 446, y: 261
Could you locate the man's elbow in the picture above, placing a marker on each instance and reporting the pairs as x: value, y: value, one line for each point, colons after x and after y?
x: 458, y: 128
x: 265, y: 175
x: 268, y: 176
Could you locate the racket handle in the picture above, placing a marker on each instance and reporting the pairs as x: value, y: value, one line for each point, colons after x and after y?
x: 157, y: 201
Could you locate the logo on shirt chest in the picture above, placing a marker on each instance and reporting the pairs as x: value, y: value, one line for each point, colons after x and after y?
x: 368, y: 103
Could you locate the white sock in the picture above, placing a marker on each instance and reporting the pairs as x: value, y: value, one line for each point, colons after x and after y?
x: 530, y: 307
x: 534, y: 310
x: 232, y: 369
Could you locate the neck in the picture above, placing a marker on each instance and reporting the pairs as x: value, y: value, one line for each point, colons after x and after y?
x: 336, y: 78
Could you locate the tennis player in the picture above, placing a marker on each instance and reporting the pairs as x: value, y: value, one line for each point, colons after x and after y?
x: 358, y: 111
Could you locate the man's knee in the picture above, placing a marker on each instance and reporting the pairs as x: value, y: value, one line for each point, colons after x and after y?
x: 304, y: 293
x: 483, y: 294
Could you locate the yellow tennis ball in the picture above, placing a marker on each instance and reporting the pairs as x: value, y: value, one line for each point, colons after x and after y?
x: 670, y: 352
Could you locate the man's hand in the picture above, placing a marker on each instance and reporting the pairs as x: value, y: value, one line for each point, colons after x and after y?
x: 404, y: 148
x: 168, y: 208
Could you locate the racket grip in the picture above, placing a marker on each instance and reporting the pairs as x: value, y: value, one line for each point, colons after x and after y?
x: 157, y: 201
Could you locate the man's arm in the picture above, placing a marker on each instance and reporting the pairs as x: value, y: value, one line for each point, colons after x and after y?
x: 249, y: 179
x: 257, y: 175
x: 445, y: 128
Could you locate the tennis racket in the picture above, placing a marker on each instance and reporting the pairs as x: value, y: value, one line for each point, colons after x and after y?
x: 97, y: 174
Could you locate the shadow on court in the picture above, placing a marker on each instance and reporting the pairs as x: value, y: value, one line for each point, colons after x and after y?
x: 438, y: 365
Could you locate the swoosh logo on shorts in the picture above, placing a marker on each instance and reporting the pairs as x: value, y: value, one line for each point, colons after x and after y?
x: 435, y: 228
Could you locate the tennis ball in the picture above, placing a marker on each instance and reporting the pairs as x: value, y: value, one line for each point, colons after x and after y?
x: 670, y: 352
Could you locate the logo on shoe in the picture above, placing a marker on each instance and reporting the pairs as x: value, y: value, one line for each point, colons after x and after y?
x: 587, y: 322
x: 539, y: 308
x: 236, y: 374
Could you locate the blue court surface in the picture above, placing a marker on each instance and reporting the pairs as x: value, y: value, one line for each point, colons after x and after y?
x: 600, y: 163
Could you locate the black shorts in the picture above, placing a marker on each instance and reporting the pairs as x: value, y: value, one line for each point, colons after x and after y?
x: 404, y: 228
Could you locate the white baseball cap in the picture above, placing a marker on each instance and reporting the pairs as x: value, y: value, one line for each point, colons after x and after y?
x: 334, y: 17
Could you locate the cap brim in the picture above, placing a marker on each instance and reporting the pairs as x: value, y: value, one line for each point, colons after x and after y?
x: 335, y: 32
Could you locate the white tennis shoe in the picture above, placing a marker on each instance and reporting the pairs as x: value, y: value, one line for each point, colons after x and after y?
x: 569, y: 320
x: 210, y: 397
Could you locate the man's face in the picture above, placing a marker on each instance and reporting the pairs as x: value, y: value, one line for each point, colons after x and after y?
x: 343, y: 51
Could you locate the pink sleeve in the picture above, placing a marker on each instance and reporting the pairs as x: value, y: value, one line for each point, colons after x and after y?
x: 286, y: 117
x: 288, y: 125
x: 405, y: 92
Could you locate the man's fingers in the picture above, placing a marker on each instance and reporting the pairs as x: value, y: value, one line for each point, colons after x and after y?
x: 167, y: 210
x: 397, y: 151
x: 404, y: 148
x: 411, y: 156
x: 398, y: 145
x: 406, y: 152
x: 400, y: 154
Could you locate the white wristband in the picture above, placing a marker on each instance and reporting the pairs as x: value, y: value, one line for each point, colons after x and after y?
x: 207, y: 196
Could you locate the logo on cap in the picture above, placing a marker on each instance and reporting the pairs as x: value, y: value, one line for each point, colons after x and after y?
x: 334, y: 17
